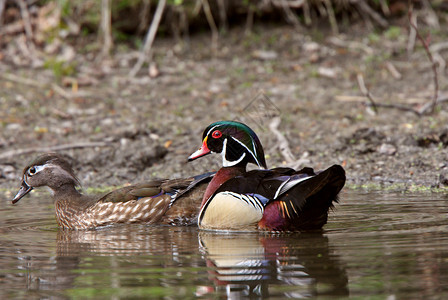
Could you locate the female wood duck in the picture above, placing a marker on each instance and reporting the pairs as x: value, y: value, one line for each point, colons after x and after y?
x: 280, y: 199
x: 158, y: 201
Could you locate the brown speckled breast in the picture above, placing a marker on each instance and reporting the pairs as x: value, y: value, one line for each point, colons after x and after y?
x: 146, y: 210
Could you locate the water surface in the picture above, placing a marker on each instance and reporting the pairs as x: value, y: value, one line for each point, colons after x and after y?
x: 375, y: 244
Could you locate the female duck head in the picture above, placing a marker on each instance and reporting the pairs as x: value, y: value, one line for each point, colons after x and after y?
x: 50, y: 170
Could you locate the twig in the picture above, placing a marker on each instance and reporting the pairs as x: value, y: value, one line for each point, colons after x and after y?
x: 149, y: 38
x: 364, y: 7
x: 331, y: 17
x: 144, y: 15
x: 399, y: 107
x: 366, y: 92
x: 30, y: 48
x: 289, y: 3
x: 440, y: 61
x: 27, y: 81
x: 106, y: 28
x: 26, y: 19
x: 183, y: 20
x: 350, y: 45
x: 431, y: 59
x: 290, y: 16
x: 283, y: 143
x: 2, y: 8
x: 429, y: 105
x: 418, y: 112
x: 26, y: 151
x: 223, y: 16
x: 438, y: 47
x: 197, y: 8
x: 212, y: 24
x: 431, y: 18
x: 391, y: 68
x: 60, y: 91
x: 307, y: 13
x: 385, y: 7
x: 13, y: 28
x: 284, y: 148
x: 435, y: 49
x: 412, y: 36
x: 21, y: 80
x: 249, y: 20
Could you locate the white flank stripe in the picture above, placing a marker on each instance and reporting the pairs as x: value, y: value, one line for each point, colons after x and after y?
x: 280, y: 188
x: 288, y: 184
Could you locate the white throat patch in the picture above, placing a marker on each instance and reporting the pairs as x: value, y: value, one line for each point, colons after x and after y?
x: 227, y: 163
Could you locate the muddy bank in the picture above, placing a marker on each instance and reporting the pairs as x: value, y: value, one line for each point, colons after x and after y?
x: 146, y: 127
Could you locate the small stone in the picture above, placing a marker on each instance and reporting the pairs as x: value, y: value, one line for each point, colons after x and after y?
x: 154, y: 136
x: 153, y: 71
x: 13, y: 126
x: 214, y: 88
x: 387, y: 149
x: 311, y: 46
x: 264, y: 55
x: 68, y: 54
x: 7, y: 171
x: 314, y: 57
x: 328, y: 72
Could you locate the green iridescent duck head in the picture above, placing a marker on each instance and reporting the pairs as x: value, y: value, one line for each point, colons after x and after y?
x: 235, y: 141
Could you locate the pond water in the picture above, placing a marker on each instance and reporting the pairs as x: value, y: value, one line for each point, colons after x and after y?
x: 378, y: 245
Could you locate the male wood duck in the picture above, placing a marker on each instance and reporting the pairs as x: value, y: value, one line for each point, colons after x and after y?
x: 158, y: 201
x: 280, y: 199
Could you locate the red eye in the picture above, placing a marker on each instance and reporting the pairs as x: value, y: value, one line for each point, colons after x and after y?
x: 216, y: 134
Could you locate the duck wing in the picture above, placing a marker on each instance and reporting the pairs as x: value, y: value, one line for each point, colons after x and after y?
x: 302, y: 201
x: 174, y: 188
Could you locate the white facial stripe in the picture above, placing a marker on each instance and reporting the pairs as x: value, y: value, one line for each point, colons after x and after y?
x: 253, y: 154
x: 39, y: 168
x: 211, y: 130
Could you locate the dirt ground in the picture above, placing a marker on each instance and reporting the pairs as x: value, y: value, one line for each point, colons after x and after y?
x: 120, y: 129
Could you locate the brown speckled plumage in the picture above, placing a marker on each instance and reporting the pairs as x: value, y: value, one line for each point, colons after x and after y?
x: 158, y: 201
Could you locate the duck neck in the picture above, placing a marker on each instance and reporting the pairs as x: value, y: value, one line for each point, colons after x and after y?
x: 66, y: 193
x: 68, y: 202
x: 220, y: 177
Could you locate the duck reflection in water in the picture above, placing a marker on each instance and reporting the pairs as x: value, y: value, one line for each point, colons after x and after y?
x: 232, y: 265
x: 261, y: 265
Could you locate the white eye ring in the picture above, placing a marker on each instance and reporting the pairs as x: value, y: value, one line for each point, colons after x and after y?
x: 31, y: 171
x: 34, y: 170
